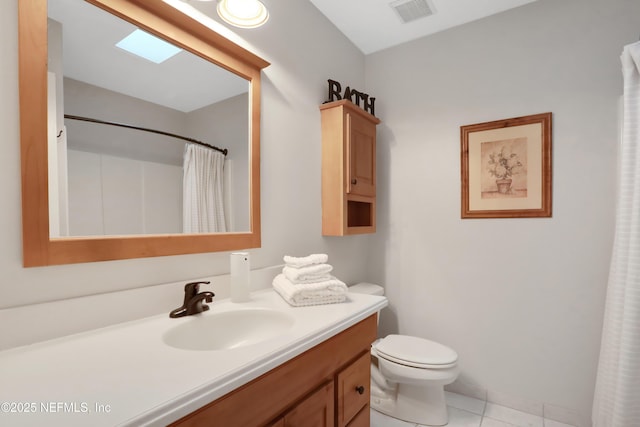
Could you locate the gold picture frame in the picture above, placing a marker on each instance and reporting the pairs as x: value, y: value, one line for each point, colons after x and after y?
x: 506, y: 168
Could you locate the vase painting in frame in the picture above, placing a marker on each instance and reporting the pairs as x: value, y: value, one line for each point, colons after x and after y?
x: 506, y: 168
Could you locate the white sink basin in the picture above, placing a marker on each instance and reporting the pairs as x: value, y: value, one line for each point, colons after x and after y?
x: 227, y: 330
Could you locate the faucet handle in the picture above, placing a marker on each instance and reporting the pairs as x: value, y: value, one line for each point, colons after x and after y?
x: 193, y: 300
x: 191, y: 289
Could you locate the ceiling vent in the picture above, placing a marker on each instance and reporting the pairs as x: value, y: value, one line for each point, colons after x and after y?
x: 410, y: 10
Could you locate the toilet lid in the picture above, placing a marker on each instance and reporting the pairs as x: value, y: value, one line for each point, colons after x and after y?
x: 416, y: 352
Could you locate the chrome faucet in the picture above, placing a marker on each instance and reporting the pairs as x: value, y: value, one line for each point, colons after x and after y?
x: 193, y: 300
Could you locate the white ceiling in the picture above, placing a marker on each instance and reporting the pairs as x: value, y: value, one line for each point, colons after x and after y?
x: 373, y: 25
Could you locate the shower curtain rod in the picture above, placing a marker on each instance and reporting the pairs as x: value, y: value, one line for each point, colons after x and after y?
x: 102, y: 122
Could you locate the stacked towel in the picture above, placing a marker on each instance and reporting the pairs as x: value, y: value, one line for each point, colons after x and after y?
x: 306, y: 281
x: 312, y: 274
x: 327, y: 292
x: 298, y: 262
x: 309, y: 269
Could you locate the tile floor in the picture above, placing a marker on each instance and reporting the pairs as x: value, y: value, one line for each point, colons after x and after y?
x: 469, y: 412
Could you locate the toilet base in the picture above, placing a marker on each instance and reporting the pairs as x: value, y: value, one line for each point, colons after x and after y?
x: 409, y: 393
x: 416, y: 404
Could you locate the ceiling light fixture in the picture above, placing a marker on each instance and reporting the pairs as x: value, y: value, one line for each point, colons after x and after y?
x: 243, y: 13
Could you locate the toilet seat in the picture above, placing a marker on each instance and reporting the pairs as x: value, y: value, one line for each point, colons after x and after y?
x: 415, y: 352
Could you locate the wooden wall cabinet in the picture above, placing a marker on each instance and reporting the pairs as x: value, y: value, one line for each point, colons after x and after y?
x: 348, y: 169
x: 326, y: 386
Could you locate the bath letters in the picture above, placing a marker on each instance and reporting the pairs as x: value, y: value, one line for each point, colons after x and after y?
x: 335, y: 89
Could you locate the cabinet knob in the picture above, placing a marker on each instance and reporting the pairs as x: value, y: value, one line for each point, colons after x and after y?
x: 360, y: 389
x: 354, y: 181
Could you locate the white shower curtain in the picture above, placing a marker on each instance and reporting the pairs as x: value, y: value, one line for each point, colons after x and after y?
x: 617, y: 395
x: 203, y: 206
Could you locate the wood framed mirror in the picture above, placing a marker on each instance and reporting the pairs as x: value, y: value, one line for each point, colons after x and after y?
x: 42, y: 247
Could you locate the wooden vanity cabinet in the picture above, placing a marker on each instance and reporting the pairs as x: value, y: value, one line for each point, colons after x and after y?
x: 326, y: 386
x: 348, y: 169
x: 353, y: 392
x: 317, y: 410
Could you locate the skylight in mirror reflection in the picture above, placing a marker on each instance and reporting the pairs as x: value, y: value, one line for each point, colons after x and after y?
x: 148, y: 47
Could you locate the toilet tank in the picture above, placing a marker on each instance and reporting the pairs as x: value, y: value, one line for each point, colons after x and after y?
x: 369, y: 289
x: 366, y: 288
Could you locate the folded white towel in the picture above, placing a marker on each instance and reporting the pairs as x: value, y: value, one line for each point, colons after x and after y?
x: 311, y: 274
x: 305, y: 261
x: 328, y: 292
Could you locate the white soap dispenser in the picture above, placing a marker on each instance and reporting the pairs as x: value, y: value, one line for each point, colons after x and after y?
x: 240, y: 276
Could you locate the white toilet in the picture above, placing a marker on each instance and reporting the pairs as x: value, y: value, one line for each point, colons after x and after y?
x: 408, y: 374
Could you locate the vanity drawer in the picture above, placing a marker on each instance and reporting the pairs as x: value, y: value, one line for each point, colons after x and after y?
x: 353, y: 384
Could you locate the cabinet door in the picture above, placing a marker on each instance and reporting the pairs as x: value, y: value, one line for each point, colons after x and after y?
x: 278, y: 423
x: 353, y: 389
x: 363, y: 419
x: 361, y: 149
x: 315, y: 411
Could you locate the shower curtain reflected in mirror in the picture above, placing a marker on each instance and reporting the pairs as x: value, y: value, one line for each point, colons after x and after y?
x: 203, y: 190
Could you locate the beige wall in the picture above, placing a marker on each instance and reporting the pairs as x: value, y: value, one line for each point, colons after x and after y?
x: 521, y: 300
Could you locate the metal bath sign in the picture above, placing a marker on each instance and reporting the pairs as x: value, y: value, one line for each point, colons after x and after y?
x: 355, y: 96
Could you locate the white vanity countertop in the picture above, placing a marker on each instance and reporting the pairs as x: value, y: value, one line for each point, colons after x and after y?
x: 126, y: 375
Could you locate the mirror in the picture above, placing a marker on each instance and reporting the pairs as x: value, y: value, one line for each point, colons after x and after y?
x: 121, y: 122
x: 202, y: 54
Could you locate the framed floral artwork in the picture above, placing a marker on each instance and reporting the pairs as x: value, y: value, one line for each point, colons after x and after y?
x: 506, y: 168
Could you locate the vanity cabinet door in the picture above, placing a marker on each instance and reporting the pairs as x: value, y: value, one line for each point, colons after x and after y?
x: 315, y: 411
x: 363, y: 419
x: 353, y: 384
